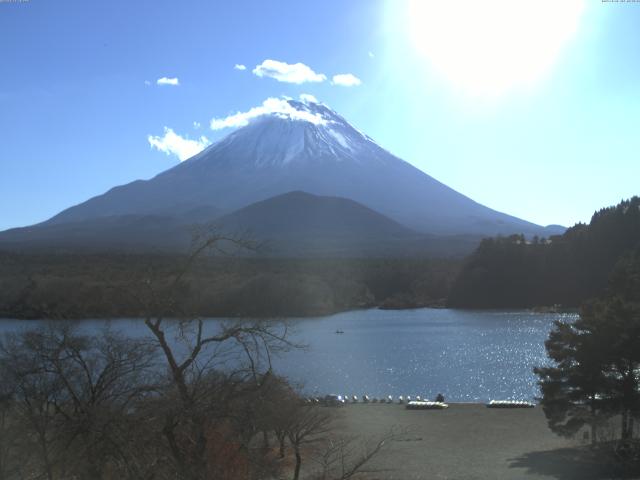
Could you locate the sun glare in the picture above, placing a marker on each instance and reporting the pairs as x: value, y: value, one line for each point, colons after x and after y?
x: 489, y: 47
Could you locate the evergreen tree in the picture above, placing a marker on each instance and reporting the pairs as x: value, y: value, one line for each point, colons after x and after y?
x: 572, y: 389
x: 597, y: 360
x: 508, y: 272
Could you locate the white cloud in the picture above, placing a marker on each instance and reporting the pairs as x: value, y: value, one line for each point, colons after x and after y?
x: 289, y: 73
x: 168, y: 81
x: 371, y: 55
x: 271, y: 106
x: 173, y: 144
x: 239, y: 66
x: 308, y: 98
x: 196, y: 125
x: 346, y: 80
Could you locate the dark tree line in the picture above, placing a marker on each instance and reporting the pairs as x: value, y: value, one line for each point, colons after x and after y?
x: 90, y: 286
x: 507, y: 272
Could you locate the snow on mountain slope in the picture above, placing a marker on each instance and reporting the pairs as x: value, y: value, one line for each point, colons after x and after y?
x: 279, y: 139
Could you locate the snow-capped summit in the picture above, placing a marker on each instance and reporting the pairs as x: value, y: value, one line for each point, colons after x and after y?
x: 297, y: 131
x: 288, y: 145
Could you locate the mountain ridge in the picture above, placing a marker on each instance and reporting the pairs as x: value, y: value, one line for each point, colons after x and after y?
x: 294, y: 224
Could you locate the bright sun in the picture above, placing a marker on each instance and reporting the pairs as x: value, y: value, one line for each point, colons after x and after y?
x: 487, y: 47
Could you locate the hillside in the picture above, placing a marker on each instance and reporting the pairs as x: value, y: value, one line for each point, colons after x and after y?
x: 509, y: 272
x: 301, y: 224
x: 295, y: 224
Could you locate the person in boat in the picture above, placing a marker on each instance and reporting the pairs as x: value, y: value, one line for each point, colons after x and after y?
x: 440, y: 398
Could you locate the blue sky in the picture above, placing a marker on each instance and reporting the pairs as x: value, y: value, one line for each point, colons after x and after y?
x: 548, y: 133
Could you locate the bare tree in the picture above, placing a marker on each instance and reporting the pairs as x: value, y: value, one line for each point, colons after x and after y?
x: 278, y: 401
x: 6, y: 436
x: 76, y: 396
x: 345, y: 457
x: 307, y: 425
x: 35, y: 393
x: 235, y: 352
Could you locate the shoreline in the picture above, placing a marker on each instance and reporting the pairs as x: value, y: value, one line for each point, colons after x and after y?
x: 536, y: 310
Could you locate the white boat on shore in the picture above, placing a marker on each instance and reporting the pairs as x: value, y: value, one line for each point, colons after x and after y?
x: 425, y: 405
x: 510, y: 404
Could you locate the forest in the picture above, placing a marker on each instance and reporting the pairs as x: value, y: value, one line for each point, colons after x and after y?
x: 101, y: 285
x: 564, y: 270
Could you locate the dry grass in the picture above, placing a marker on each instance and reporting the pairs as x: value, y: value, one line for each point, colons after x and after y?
x: 470, y: 441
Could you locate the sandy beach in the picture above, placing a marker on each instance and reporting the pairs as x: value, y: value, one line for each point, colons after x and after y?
x: 470, y: 441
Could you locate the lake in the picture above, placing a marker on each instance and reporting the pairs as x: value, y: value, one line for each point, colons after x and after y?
x: 465, y: 355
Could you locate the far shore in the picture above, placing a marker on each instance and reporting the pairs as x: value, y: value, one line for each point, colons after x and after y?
x: 328, y: 313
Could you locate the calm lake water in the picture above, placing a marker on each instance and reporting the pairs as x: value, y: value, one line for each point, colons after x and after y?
x: 466, y: 355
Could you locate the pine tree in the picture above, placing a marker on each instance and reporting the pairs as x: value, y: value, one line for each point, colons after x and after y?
x: 596, y: 371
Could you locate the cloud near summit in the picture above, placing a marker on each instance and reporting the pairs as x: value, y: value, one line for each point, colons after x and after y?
x: 173, y: 144
x: 279, y: 107
x: 308, y: 98
x: 184, y: 148
x: 288, y: 72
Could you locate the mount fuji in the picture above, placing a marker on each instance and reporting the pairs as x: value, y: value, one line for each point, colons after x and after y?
x: 303, y: 147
